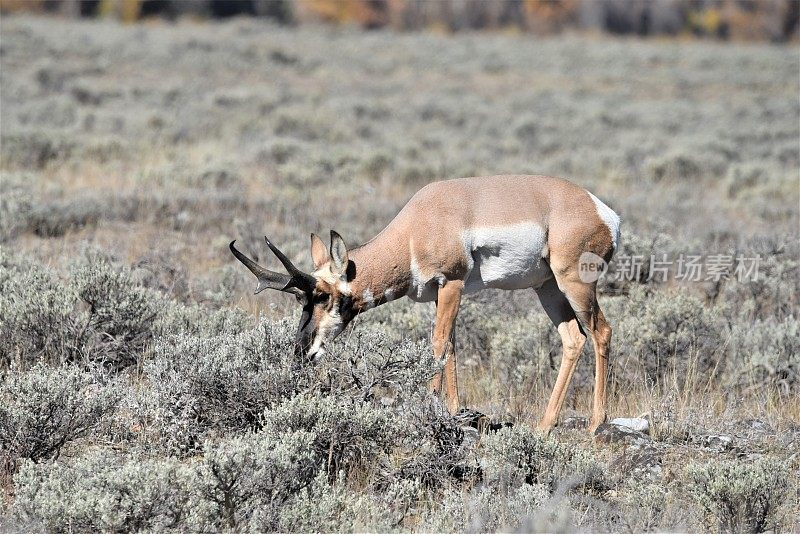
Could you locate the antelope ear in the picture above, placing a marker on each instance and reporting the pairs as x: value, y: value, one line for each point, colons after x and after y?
x: 319, y: 253
x: 339, y: 259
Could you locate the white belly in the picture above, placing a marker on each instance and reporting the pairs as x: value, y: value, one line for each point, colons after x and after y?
x: 507, y: 257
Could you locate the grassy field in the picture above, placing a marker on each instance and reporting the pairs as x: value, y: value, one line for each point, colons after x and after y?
x: 144, y: 386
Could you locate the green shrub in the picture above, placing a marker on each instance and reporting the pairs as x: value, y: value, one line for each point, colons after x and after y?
x: 766, y: 352
x: 203, y: 385
x: 340, y: 507
x: 58, y: 217
x: 38, y: 318
x: 245, y: 482
x: 196, y: 320
x: 105, y: 492
x: 771, y: 291
x: 525, y: 508
x: 348, y: 433
x: 100, y: 315
x: 43, y: 409
x: 368, y: 365
x: 645, y: 505
x: 522, y: 350
x: 121, y: 313
x: 382, y: 387
x: 631, y: 264
x: 686, y: 166
x: 16, y: 203
x: 740, y: 496
x: 520, y: 455
x: 671, y: 336
x: 35, y: 150
x: 240, y: 484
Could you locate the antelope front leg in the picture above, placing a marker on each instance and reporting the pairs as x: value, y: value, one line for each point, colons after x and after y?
x: 447, y: 303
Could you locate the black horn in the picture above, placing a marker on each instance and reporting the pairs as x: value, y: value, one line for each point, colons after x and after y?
x: 294, y: 271
x: 295, y: 282
x: 300, y: 279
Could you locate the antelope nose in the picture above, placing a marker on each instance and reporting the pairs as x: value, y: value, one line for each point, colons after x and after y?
x: 314, y: 354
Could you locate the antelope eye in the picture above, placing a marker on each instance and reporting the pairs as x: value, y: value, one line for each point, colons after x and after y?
x: 322, y: 298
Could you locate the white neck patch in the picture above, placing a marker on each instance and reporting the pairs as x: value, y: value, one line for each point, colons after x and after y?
x: 369, y: 299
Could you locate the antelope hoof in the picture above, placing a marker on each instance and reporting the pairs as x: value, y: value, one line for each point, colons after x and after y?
x: 453, y: 406
x: 595, y: 423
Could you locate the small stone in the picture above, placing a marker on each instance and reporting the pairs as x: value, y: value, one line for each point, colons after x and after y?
x: 639, y: 424
x: 644, y: 462
x: 612, y: 433
x: 757, y: 425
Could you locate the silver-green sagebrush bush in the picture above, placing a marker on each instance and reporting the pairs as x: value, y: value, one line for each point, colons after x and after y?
x: 39, y: 322
x: 520, y: 455
x: 215, y: 384
x: 240, y: 484
x: 491, y: 509
x: 105, y: 492
x: 43, y: 409
x: 36, y: 150
x: 332, y: 507
x: 766, y: 352
x: 120, y: 313
x: 669, y: 335
x: 243, y: 483
x: 100, y: 314
x: 16, y: 203
x: 522, y: 350
x: 772, y: 288
x: 646, y: 503
x: 741, y: 496
x: 348, y: 433
x: 200, y: 321
x: 97, y: 315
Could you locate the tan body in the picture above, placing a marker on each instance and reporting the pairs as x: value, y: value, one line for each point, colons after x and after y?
x: 460, y: 236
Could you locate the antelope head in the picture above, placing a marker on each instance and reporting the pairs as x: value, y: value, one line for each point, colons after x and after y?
x: 324, y: 294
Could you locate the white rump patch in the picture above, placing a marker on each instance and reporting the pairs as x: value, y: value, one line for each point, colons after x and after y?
x: 388, y: 295
x: 611, y: 219
x: 506, y: 257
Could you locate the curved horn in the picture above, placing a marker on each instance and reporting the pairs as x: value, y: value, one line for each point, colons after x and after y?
x: 297, y: 274
x: 266, y: 279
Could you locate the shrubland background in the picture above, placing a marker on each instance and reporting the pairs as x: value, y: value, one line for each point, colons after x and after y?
x: 145, y: 387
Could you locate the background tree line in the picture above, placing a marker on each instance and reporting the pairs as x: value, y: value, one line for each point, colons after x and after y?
x: 773, y: 20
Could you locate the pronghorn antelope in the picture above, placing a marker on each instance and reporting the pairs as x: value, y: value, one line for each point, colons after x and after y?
x: 457, y: 237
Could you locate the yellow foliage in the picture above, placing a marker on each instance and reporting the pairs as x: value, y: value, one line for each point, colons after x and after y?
x: 707, y: 21
x: 10, y: 6
x: 342, y: 11
x: 127, y: 10
x: 549, y: 15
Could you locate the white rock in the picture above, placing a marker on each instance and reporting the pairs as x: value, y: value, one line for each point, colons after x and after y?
x: 640, y: 424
